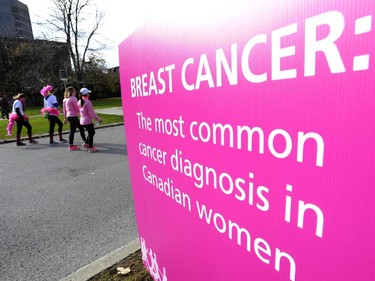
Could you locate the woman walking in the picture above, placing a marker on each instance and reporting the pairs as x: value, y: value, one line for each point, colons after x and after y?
x: 21, y: 119
x: 71, y: 113
x: 51, y: 108
x: 87, y: 114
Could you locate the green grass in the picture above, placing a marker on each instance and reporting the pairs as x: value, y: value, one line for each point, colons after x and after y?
x: 97, y: 104
x: 41, y: 125
x: 107, y: 103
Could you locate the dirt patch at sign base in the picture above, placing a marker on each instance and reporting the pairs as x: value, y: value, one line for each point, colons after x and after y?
x: 138, y: 271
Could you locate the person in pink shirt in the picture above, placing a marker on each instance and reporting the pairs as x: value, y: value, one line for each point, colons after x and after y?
x: 87, y: 114
x: 71, y: 113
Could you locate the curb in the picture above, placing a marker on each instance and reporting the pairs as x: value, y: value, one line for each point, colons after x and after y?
x: 103, y: 263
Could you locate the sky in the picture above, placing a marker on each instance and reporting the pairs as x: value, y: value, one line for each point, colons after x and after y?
x: 122, y: 17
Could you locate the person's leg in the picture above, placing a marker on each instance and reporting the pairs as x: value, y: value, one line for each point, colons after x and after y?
x: 72, y: 129
x: 91, y: 132
x: 29, y: 131
x: 74, y: 122
x: 18, y: 134
x: 52, y: 122
x: 60, y: 128
x: 86, y: 141
x: 81, y: 130
x: 28, y: 127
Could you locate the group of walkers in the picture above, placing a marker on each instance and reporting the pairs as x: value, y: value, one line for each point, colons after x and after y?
x: 79, y: 114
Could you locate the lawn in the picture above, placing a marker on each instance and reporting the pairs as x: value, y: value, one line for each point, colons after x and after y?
x: 107, y: 103
x: 41, y: 125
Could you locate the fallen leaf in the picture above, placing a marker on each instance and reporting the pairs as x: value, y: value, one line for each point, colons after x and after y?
x: 123, y: 270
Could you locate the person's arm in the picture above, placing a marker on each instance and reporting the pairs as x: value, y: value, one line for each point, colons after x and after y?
x: 65, y: 102
x: 54, y: 102
x: 56, y: 105
x: 75, y: 104
x: 92, y: 113
x: 19, y: 114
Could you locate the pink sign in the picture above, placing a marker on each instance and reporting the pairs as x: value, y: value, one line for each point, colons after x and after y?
x: 251, y: 143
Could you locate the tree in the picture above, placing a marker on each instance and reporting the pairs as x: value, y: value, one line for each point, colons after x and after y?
x: 104, y: 83
x: 28, y: 65
x: 68, y: 18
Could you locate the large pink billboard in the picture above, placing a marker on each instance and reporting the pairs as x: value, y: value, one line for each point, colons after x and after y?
x: 251, y: 142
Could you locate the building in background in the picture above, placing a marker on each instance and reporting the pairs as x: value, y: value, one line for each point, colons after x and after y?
x: 15, y: 20
x: 26, y: 64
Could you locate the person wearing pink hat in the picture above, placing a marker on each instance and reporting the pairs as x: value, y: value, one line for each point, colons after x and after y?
x: 51, y: 106
x: 87, y: 115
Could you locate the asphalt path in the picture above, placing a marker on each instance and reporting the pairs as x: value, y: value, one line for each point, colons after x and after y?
x: 61, y: 210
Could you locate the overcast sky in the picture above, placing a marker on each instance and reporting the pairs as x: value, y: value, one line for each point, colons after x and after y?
x: 122, y: 17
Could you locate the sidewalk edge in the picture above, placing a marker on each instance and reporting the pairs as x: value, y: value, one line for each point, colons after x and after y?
x: 103, y: 263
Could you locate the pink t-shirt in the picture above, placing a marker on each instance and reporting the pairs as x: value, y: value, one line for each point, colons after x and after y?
x: 70, y: 107
x: 87, y: 112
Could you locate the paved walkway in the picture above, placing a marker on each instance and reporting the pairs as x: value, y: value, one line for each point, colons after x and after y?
x: 113, y: 111
x: 93, y: 268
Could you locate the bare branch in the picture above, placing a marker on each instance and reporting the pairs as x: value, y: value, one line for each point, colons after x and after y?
x: 69, y: 17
